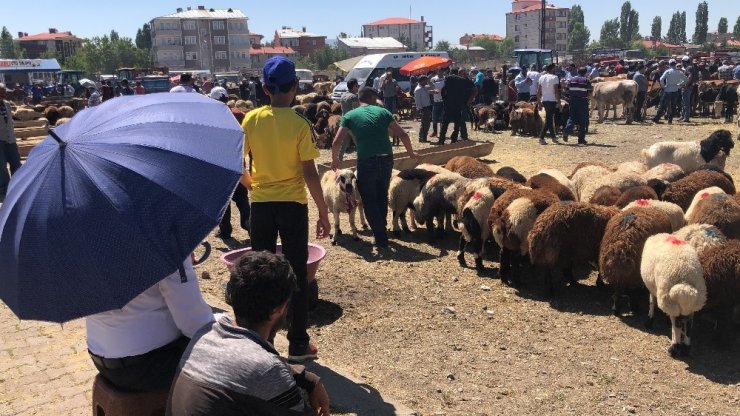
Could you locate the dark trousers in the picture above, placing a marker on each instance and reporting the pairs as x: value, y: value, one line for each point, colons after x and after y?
x: 9, y: 157
x: 549, y: 126
x: 373, y: 180
x: 668, y: 101
x: 426, y: 118
x: 390, y: 104
x: 578, y: 115
x: 639, y: 103
x: 437, y: 112
x: 241, y: 198
x: 453, y: 115
x: 152, y: 371
x: 290, y: 221
x: 522, y: 96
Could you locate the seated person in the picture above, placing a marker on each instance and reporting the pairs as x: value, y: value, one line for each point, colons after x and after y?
x: 138, y: 347
x: 231, y: 368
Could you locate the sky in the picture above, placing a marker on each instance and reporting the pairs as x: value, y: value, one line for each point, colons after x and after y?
x: 92, y: 18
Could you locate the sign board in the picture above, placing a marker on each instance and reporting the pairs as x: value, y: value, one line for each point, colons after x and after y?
x: 20, y: 63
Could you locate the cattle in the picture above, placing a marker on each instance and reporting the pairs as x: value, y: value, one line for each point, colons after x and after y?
x: 614, y: 93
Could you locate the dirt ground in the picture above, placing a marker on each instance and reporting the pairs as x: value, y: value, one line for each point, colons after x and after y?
x: 444, y: 340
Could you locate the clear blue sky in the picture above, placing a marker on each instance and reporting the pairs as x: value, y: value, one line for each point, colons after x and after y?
x: 450, y: 19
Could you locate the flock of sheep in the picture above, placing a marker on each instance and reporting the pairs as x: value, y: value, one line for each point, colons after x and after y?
x: 56, y: 116
x: 669, y: 223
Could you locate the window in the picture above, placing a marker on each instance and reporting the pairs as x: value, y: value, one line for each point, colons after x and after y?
x: 188, y: 25
x: 190, y: 40
x: 516, y: 38
x: 221, y: 55
x: 219, y: 40
x: 516, y: 28
x: 218, y: 25
x: 561, y: 25
x: 191, y: 56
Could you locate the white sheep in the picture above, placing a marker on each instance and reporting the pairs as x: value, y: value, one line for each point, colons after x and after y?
x: 675, y: 213
x: 701, y: 236
x: 474, y: 226
x: 587, y: 174
x: 341, y: 195
x: 691, y: 155
x: 438, y: 199
x: 671, y: 271
x: 703, y: 194
x: 667, y: 172
x: 634, y: 167
x: 405, y: 186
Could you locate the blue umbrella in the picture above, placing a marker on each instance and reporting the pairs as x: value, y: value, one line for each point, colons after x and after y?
x: 113, y: 201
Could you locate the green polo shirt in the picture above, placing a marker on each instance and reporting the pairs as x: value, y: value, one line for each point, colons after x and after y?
x: 369, y: 126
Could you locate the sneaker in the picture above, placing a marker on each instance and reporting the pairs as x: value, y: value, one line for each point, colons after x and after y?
x: 583, y: 143
x: 657, y: 121
x: 565, y: 138
x: 543, y: 142
x: 309, y: 353
x: 555, y: 140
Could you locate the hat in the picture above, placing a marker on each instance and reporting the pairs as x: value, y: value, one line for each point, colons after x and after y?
x: 672, y: 62
x: 278, y: 71
x: 217, y: 93
x: 685, y: 58
x: 473, y: 68
x: 655, y: 65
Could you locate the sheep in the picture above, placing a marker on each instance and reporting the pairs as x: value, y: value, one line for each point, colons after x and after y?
x: 560, y: 177
x: 682, y: 191
x: 690, y: 155
x: 341, y: 195
x: 66, y: 111
x: 665, y: 172
x: 548, y: 183
x: 634, y: 193
x: 674, y: 212
x: 586, y: 175
x: 618, y: 179
x: 52, y: 114
x: 621, y: 249
x: 567, y: 234
x: 582, y: 165
x: 437, y: 199
x: 323, y: 106
x: 701, y: 236
x: 62, y: 121
x: 404, y: 188
x: 26, y: 114
x: 606, y: 195
x: 300, y: 109
x: 432, y: 168
x: 308, y: 98
x: 704, y: 193
x: 336, y: 108
x: 715, y: 168
x: 721, y: 267
x: 512, y: 174
x: 673, y: 275
x: 469, y: 167
x: 719, y: 210
x: 635, y: 167
x: 474, y: 229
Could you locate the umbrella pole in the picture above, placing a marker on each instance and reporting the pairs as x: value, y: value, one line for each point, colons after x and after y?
x: 59, y: 140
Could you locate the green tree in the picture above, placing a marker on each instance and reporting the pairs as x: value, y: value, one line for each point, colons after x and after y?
x: 656, y: 28
x: 7, y: 46
x: 610, y: 34
x: 490, y: 45
x: 506, y: 47
x: 702, y: 26
x: 459, y: 56
x: 682, y: 27
x: 579, y: 36
x: 722, y: 25
x: 576, y: 16
x: 736, y: 29
x: 628, y: 23
x: 144, y: 37
x: 100, y: 55
x: 442, y: 46
x: 677, y: 28
x: 114, y: 36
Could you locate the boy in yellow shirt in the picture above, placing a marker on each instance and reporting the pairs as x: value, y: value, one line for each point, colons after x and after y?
x: 283, y: 147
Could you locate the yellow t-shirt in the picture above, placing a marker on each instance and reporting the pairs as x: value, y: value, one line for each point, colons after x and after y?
x: 279, y: 139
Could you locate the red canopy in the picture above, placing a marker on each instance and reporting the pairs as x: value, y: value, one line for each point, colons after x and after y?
x: 425, y: 64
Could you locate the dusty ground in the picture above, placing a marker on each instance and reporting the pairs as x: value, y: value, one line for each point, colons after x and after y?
x: 444, y: 340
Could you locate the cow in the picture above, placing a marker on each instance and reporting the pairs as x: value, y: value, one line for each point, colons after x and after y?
x: 614, y: 93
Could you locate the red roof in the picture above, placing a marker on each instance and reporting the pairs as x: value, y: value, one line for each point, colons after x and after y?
x: 47, y: 36
x: 535, y: 8
x: 270, y: 50
x: 393, y: 21
x: 649, y: 44
x: 472, y: 36
x: 733, y: 42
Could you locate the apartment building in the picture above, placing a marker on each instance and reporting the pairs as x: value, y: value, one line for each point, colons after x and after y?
x: 202, y: 39
x: 41, y: 45
x: 304, y: 43
x: 524, y: 21
x: 416, y: 34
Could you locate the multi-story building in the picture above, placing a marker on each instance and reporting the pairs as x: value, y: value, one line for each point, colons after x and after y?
x: 54, y: 44
x: 524, y: 21
x: 255, y: 38
x: 304, y: 43
x: 470, y: 39
x: 416, y: 34
x: 366, y: 46
x: 202, y: 39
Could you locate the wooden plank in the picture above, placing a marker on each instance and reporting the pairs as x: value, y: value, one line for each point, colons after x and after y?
x: 25, y: 146
x: 437, y: 155
x: 25, y: 132
x: 42, y: 122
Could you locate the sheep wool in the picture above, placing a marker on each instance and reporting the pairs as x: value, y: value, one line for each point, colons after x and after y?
x: 606, y: 195
x: 721, y: 266
x: 701, y: 236
x: 634, y: 193
x: 432, y: 168
x: 719, y: 210
x: 405, y: 186
x: 634, y: 167
x: 586, y: 175
x: 469, y: 167
x: 675, y: 213
x: 549, y: 183
x: 438, y: 198
x: 582, y: 165
x: 618, y: 179
x: 668, y: 172
x: 703, y: 194
x: 682, y: 191
x: 512, y: 174
x: 560, y: 177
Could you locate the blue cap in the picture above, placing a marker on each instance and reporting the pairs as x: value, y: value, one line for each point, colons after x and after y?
x: 278, y: 71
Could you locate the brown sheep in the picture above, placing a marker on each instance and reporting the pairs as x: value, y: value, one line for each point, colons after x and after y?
x: 607, y: 195
x: 719, y: 210
x: 634, y: 193
x: 336, y: 109
x: 682, y: 191
x: 66, y: 111
x: 52, y: 114
x: 323, y: 106
x: 721, y: 266
x: 469, y: 167
x: 549, y: 183
x: 511, y: 174
x: 484, y: 114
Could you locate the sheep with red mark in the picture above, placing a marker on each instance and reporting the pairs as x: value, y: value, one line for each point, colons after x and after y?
x: 674, y: 212
x: 703, y: 194
x: 719, y: 210
x: 682, y: 191
x: 341, y: 195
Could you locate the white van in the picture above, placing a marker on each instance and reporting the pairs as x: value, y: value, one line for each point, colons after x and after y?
x: 373, y: 66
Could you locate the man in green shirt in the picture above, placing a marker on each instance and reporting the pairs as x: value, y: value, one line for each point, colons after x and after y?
x: 369, y: 125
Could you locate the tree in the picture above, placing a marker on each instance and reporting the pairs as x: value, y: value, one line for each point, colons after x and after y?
x: 144, y: 37
x: 442, y: 46
x: 490, y: 45
x: 100, y: 55
x: 628, y: 23
x: 506, y: 47
x: 722, y: 25
x: 656, y: 28
x: 682, y: 27
x: 702, y: 26
x: 579, y: 36
x: 114, y: 36
x: 576, y: 16
x: 736, y: 29
x: 7, y: 46
x: 610, y: 34
x: 677, y: 28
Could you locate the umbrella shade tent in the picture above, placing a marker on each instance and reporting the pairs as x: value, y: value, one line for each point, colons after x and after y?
x: 425, y: 64
x: 87, y: 83
x: 116, y: 203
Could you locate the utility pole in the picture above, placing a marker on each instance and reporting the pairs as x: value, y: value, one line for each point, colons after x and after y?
x: 542, y: 25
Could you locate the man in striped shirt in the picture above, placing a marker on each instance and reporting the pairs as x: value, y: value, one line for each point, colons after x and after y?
x: 579, y: 87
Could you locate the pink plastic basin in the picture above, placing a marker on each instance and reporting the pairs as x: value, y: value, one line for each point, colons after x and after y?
x: 315, y: 254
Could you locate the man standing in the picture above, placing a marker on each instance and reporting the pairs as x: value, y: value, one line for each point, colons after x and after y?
x: 725, y: 71
x: 9, y: 155
x: 106, y: 91
x: 548, y: 94
x: 642, y: 86
x: 423, y: 101
x: 349, y: 102
x: 595, y: 71
x: 478, y: 76
x: 578, y: 87
x: 490, y: 88
x: 369, y: 125
x: 186, y: 83
x: 687, y: 91
x: 457, y: 94
x: 522, y: 83
x: 231, y: 368
x: 438, y: 82
x: 534, y: 75
x: 671, y: 81
x: 389, y: 89
x: 244, y: 89
x: 94, y: 98
x: 37, y: 93
x: 125, y: 88
x: 283, y: 149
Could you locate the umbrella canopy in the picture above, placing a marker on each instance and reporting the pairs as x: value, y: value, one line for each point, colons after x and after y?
x: 113, y: 201
x: 425, y: 64
x: 87, y: 83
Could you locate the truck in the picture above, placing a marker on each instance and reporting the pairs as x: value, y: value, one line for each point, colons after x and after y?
x: 153, y: 79
x: 305, y: 80
x: 527, y: 57
x: 73, y: 78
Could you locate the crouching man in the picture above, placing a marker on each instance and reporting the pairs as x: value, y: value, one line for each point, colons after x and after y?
x: 231, y: 368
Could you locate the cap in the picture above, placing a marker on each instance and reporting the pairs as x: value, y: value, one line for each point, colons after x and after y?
x: 217, y: 93
x: 473, y: 68
x: 685, y: 58
x: 655, y: 65
x: 278, y: 71
x: 672, y: 62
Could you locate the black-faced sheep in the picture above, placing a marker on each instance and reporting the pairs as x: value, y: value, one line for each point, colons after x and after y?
x: 549, y: 183
x: 682, y: 191
x: 341, y: 195
x: 474, y: 230
x: 690, y: 155
x: 568, y: 234
x: 674, y: 212
x: 438, y: 199
x: 721, y: 266
x: 404, y: 188
x: 469, y: 167
x: 621, y: 250
x: 511, y: 174
x: 671, y: 271
x: 719, y: 210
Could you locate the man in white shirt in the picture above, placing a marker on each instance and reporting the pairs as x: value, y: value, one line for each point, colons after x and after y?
x: 423, y: 101
x: 186, y: 83
x: 535, y: 77
x: 548, y: 95
x: 437, y: 83
x: 139, y: 346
